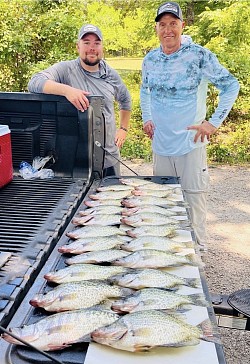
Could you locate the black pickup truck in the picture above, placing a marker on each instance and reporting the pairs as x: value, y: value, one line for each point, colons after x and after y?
x: 35, y: 214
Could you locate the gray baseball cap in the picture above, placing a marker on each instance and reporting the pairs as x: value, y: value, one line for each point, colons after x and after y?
x: 169, y: 7
x: 89, y: 28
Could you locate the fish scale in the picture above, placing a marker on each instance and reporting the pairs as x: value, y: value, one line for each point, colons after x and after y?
x: 77, y: 295
x: 64, y: 329
x: 141, y: 278
x: 156, y: 298
x: 83, y: 272
x: 143, y: 330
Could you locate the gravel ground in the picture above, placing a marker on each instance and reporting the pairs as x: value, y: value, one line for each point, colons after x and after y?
x: 227, y: 267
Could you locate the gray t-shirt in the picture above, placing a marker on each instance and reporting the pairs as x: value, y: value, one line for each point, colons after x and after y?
x: 106, y: 83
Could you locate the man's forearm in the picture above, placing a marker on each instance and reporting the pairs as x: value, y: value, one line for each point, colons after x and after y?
x: 124, y: 119
x: 55, y: 88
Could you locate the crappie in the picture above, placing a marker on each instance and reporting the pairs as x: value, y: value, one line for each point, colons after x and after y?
x: 118, y: 187
x: 94, y: 231
x: 101, y: 210
x: 84, y: 245
x: 61, y: 330
x: 146, y: 200
x: 141, y: 278
x: 148, y: 218
x: 99, y: 256
x: 110, y: 195
x: 83, y: 272
x: 159, y: 187
x: 156, y: 193
x: 157, y: 299
x: 94, y: 203
x: 156, y: 242
x: 77, y: 295
x: 126, y: 211
x: 153, y: 230
x: 136, y: 181
x: 143, y: 330
x: 104, y: 220
x: 150, y: 258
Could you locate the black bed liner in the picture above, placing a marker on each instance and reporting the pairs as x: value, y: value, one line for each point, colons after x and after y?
x: 34, y: 213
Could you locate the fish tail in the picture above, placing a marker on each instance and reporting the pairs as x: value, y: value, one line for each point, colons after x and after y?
x: 194, y: 259
x: 189, y: 244
x: 199, y: 299
x: 193, y: 282
x: 209, y: 332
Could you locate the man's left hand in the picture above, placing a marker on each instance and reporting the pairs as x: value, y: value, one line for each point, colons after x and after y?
x: 120, y: 137
x: 205, y: 129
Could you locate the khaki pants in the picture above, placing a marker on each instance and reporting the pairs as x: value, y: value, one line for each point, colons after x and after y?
x: 192, y: 170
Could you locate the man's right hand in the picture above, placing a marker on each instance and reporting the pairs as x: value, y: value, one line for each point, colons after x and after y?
x: 74, y: 95
x: 77, y: 98
x: 149, y: 128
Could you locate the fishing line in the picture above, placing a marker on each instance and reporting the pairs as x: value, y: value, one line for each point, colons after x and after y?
x: 98, y: 144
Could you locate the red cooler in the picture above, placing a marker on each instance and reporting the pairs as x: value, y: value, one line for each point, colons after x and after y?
x: 6, y: 168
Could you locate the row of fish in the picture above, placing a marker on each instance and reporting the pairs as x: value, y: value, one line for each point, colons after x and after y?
x: 131, y: 303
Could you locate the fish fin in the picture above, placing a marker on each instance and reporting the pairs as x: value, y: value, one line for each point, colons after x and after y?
x: 52, y: 347
x: 189, y: 244
x: 198, y: 299
x: 209, y: 332
x: 189, y: 342
x: 195, y: 260
x: 193, y: 282
x: 139, y: 348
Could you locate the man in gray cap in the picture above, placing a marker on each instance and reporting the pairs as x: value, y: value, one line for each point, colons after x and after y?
x: 87, y: 75
x: 175, y: 78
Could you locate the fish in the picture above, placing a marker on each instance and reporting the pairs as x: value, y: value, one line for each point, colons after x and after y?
x: 153, y: 230
x: 144, y: 330
x: 126, y: 211
x: 158, y: 299
x: 95, y: 203
x: 104, y: 220
x: 99, y: 256
x: 135, y: 181
x: 159, y: 187
x: 102, y: 209
x: 117, y: 187
x: 84, y: 245
x: 148, y: 218
x: 77, y: 295
x: 142, y: 278
x: 156, y: 242
x: 150, y: 200
x: 61, y: 330
x: 109, y: 195
x: 83, y: 272
x: 94, y: 231
x: 156, y: 193
x: 151, y: 258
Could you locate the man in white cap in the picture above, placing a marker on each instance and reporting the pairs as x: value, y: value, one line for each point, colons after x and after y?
x: 87, y: 75
x: 175, y: 77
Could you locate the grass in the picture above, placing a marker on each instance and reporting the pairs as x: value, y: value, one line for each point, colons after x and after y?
x: 125, y: 63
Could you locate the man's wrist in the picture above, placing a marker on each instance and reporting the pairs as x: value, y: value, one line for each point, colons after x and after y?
x: 122, y: 128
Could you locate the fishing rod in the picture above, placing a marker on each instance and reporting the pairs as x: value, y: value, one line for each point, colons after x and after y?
x: 31, y: 346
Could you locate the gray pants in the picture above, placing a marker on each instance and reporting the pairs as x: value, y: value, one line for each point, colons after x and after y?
x: 194, y: 179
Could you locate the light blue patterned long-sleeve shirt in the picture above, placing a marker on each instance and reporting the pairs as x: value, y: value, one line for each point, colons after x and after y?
x: 174, y: 91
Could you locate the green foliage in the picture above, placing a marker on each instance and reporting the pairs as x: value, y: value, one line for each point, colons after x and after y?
x: 37, y: 33
x: 231, y: 144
